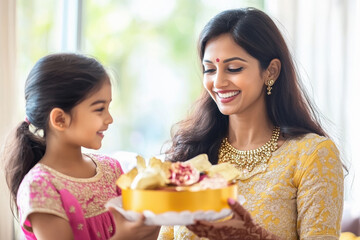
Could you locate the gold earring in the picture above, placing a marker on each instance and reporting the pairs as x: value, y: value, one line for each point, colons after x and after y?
x: 269, y: 86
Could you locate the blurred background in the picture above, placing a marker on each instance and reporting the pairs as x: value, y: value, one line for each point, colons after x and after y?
x: 149, y: 49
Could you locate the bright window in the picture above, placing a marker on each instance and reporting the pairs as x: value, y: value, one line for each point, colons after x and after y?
x: 149, y: 48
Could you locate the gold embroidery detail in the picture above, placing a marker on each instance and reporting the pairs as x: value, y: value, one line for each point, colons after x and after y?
x: 98, y: 234
x: 95, y: 178
x: 72, y: 209
x: 110, y: 229
x: 93, y: 193
x: 80, y: 226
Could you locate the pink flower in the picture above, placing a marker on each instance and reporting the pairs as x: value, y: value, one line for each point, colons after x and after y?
x: 183, y: 174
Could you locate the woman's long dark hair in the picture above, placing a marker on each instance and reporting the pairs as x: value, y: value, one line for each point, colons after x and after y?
x: 57, y: 80
x: 288, y: 106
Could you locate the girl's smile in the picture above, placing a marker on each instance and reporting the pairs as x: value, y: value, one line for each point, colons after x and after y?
x: 100, y: 133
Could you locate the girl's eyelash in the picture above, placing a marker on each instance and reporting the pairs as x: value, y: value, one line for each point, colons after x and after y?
x: 100, y: 109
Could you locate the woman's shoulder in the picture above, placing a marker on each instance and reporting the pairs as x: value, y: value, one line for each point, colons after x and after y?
x: 302, y: 149
x: 312, y: 141
x: 311, y: 148
x: 311, y: 138
x: 316, y: 158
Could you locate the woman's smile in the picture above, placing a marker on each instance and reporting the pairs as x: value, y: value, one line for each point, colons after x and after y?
x: 227, y: 96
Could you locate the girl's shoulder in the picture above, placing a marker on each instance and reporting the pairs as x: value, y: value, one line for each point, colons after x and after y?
x: 38, y: 193
x: 106, y: 162
x: 38, y: 174
x: 36, y: 180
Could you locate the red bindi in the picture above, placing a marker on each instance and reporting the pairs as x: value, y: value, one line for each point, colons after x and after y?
x: 217, y: 60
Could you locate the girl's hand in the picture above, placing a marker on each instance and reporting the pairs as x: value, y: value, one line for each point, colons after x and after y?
x: 132, y: 230
x: 240, y: 226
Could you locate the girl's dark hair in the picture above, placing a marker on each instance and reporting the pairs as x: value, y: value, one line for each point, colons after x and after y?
x: 57, y: 80
x: 288, y: 106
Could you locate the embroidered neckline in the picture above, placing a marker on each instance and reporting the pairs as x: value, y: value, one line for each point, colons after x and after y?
x: 74, y: 179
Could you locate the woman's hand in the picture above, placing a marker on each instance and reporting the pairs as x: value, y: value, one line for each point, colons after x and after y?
x: 132, y: 230
x: 240, y: 226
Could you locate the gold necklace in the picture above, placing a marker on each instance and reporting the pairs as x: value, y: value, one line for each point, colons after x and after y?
x: 248, y: 160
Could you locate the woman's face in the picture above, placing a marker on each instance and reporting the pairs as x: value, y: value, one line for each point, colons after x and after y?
x: 232, y: 77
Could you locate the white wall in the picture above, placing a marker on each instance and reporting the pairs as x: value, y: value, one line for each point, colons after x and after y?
x: 324, y: 37
x: 7, y: 99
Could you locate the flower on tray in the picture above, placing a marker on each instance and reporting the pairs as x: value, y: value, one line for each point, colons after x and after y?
x: 183, y: 174
x: 192, y: 175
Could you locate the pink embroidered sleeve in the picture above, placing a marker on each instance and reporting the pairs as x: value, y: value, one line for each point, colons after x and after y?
x: 37, y: 194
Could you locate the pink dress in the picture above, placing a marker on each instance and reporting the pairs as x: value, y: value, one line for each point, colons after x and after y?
x: 80, y: 201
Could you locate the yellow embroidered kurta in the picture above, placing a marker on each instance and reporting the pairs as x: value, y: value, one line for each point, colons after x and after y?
x: 298, y: 195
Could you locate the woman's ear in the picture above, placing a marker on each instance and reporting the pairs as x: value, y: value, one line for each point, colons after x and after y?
x: 58, y: 119
x: 273, y: 70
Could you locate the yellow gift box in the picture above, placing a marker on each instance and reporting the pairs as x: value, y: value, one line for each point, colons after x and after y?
x: 158, y: 201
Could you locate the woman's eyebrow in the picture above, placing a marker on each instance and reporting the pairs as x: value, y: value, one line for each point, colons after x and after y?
x: 234, y: 58
x: 227, y: 60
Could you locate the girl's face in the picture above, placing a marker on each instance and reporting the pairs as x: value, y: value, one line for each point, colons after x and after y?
x: 232, y: 77
x: 91, y: 118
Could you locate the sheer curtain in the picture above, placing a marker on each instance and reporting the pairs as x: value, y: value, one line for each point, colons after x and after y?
x: 324, y: 37
x: 7, y: 101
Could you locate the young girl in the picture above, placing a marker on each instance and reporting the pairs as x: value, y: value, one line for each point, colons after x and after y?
x: 59, y: 191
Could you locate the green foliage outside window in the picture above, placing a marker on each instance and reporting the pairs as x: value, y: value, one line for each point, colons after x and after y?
x: 149, y: 48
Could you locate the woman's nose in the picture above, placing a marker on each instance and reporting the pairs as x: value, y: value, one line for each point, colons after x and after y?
x: 220, y: 80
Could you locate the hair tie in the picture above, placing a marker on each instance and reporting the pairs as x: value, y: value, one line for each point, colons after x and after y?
x: 34, y: 130
x: 27, y: 120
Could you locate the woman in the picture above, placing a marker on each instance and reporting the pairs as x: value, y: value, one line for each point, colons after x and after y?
x: 255, y: 115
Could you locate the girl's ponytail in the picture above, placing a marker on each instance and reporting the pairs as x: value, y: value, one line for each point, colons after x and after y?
x: 22, y: 151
